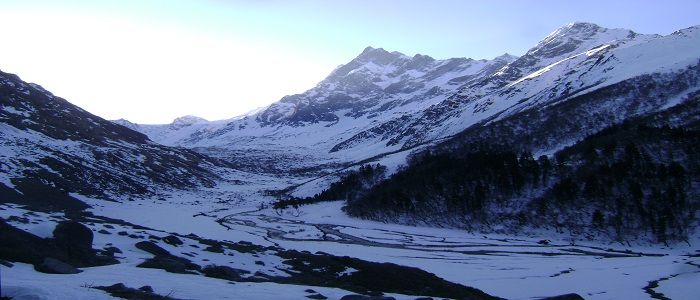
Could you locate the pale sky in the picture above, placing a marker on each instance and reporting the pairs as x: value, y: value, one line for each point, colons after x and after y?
x: 150, y: 61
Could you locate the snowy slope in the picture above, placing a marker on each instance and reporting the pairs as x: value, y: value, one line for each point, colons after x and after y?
x: 61, y: 165
x: 576, y: 96
x: 47, y: 142
x: 383, y: 102
x: 504, y: 266
x: 577, y: 59
x: 299, y: 131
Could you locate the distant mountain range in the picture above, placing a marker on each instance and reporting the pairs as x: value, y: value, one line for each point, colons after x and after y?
x: 385, y: 102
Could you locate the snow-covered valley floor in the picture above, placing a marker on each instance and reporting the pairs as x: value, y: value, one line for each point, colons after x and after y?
x: 505, y: 266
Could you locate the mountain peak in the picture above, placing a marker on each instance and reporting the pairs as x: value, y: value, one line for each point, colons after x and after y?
x: 577, y: 37
x: 378, y: 56
x: 187, y: 121
x: 122, y: 121
x: 506, y: 57
x: 575, y: 29
x: 423, y: 57
x: 583, y: 25
x: 370, y: 54
x: 688, y: 30
x: 126, y: 123
x: 370, y: 49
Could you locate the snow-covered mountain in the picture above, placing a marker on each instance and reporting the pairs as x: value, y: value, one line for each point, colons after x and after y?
x: 378, y: 88
x: 102, y: 204
x: 383, y: 102
x: 46, y: 143
x: 577, y: 61
x: 186, y: 225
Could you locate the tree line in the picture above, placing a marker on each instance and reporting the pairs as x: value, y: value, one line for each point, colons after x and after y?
x: 626, y: 181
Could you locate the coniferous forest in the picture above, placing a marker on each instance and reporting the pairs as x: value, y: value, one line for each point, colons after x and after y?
x: 626, y: 181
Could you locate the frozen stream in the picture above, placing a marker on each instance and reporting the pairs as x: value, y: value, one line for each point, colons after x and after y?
x: 510, y: 267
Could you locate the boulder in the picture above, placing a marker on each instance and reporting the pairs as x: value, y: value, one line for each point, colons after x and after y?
x: 152, y: 248
x: 172, y: 264
x: 172, y: 240
x: 72, y: 244
x: 74, y: 239
x: 73, y: 234
x: 224, y: 272
x: 55, y: 266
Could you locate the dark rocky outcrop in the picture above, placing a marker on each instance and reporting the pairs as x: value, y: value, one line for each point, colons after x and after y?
x: 162, y: 259
x: 74, y: 237
x: 55, y: 266
x: 571, y: 296
x: 370, y: 278
x: 363, y: 297
x: 224, y: 272
x: 39, y: 196
x: 70, y: 247
x: 122, y: 291
x: 172, y: 240
x: 152, y: 248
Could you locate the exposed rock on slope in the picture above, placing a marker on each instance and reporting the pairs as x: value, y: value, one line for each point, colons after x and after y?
x: 48, y: 144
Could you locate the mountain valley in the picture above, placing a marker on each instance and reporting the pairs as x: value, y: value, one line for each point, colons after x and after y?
x: 570, y: 171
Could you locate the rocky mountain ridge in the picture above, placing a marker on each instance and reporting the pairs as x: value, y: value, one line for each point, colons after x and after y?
x: 46, y: 143
x: 385, y: 102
